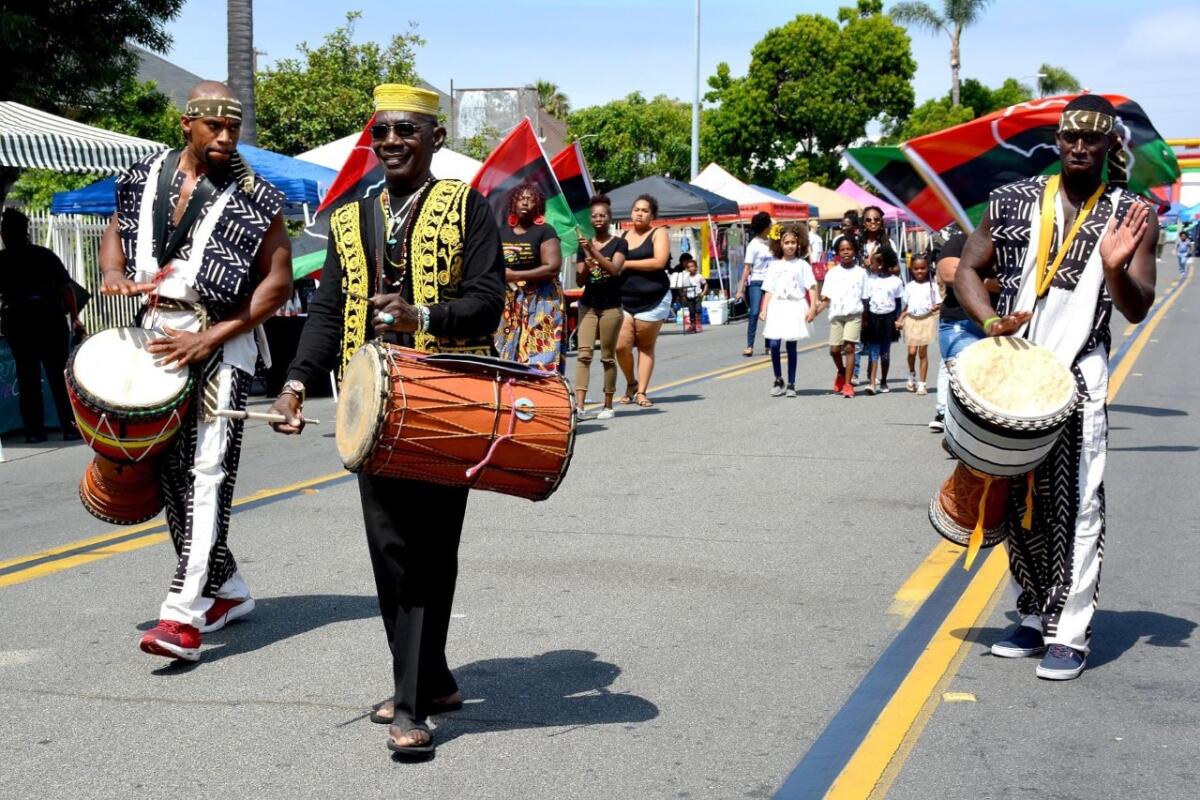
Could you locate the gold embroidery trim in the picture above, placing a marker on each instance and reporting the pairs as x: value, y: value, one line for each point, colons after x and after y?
x: 436, y: 248
x: 347, y: 238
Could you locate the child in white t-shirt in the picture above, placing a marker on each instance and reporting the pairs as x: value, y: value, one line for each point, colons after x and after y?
x: 843, y: 293
x: 788, y: 302
x: 919, y: 321
x: 884, y: 290
x: 693, y: 286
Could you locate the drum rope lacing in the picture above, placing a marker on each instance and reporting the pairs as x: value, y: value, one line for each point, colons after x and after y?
x: 1042, y: 424
x: 115, y: 439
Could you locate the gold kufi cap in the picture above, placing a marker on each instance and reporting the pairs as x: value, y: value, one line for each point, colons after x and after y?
x: 398, y: 97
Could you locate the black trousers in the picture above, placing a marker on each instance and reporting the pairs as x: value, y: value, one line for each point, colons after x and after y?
x: 41, y: 340
x: 413, y: 531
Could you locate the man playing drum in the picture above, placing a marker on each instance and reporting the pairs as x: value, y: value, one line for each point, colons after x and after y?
x: 1065, y: 250
x: 204, y: 238
x: 420, y: 265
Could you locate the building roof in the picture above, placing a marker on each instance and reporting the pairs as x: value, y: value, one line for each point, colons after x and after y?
x: 175, y: 82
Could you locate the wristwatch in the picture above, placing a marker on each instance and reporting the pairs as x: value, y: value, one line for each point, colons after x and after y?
x: 294, y: 387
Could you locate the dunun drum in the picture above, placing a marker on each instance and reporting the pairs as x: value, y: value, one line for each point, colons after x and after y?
x: 458, y: 420
x: 128, y: 410
x: 1009, y: 402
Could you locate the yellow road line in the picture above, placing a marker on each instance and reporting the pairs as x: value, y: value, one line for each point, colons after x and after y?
x: 924, y: 579
x: 883, y: 751
x: 764, y: 363
x: 153, y: 535
x: 884, y: 740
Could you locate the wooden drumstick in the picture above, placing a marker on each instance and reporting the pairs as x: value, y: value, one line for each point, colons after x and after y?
x: 260, y: 415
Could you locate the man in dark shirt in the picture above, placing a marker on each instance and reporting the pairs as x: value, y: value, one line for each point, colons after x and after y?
x: 434, y: 298
x: 36, y: 293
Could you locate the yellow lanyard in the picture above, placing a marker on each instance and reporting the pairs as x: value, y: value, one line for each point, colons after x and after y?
x: 1046, y: 276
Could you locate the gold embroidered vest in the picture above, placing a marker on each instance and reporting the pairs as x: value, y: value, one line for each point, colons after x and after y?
x: 435, y: 264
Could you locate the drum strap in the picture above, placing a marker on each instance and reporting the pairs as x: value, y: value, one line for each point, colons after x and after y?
x: 204, y: 191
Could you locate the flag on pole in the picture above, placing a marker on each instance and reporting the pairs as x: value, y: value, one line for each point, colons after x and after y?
x: 518, y: 159
x: 570, y: 168
x: 888, y: 170
x: 963, y: 164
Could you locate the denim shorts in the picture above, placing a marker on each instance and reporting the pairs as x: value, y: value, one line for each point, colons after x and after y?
x: 954, y: 335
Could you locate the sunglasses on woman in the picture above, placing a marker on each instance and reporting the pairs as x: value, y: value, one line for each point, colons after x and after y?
x: 403, y: 129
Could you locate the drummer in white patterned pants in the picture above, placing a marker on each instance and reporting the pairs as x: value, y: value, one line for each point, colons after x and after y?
x: 1065, y: 251
x: 204, y: 238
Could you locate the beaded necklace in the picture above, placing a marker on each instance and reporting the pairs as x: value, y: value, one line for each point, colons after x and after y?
x: 402, y: 219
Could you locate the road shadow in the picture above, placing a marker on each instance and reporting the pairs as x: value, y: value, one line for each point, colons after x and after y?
x: 274, y: 620
x: 1158, y: 448
x: 668, y: 399
x: 561, y: 688
x: 1147, y: 411
x: 1113, y: 633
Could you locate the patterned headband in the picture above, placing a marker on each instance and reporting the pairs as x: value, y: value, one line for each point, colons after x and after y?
x: 214, y: 107
x: 1080, y: 120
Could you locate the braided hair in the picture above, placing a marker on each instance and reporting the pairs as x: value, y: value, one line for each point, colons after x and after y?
x: 539, y: 202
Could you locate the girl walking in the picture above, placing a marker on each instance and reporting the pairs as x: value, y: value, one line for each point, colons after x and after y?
x: 919, y: 322
x: 843, y: 293
x: 788, y: 302
x: 598, y: 266
x: 884, y: 290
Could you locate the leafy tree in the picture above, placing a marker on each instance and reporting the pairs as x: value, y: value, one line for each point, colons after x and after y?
x: 71, y: 57
x: 633, y: 138
x: 1056, y: 80
x: 239, y: 44
x: 977, y: 100
x: 956, y: 15
x: 812, y: 88
x: 479, y: 146
x: 325, y: 93
x: 552, y: 101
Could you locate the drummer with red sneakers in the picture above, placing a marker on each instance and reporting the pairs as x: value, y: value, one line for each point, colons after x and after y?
x: 204, y: 237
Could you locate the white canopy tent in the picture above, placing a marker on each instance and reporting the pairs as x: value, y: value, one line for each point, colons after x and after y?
x: 33, y: 139
x: 446, y: 162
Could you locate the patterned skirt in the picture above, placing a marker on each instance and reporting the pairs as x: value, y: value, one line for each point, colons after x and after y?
x: 531, y: 328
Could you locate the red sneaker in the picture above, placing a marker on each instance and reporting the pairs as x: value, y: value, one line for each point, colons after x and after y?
x: 223, y: 611
x: 848, y: 390
x: 839, y: 382
x: 172, y: 640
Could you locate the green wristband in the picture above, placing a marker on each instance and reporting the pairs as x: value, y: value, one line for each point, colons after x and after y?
x: 987, y: 323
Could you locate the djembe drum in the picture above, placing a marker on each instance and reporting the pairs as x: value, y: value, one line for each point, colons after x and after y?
x: 457, y: 420
x: 1009, y: 402
x: 128, y: 409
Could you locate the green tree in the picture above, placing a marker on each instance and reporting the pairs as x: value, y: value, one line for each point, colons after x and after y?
x: 1056, y: 80
x: 956, y: 15
x: 325, y: 93
x: 941, y: 113
x: 633, y: 138
x: 932, y: 116
x: 551, y: 100
x: 71, y: 57
x: 239, y: 45
x: 812, y: 88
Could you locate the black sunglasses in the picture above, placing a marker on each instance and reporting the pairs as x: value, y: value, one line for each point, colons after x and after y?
x: 404, y: 129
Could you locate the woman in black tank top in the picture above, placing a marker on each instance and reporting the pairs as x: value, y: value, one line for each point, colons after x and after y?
x: 645, y: 298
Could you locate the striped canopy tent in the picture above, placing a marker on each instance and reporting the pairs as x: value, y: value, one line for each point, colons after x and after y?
x: 32, y: 139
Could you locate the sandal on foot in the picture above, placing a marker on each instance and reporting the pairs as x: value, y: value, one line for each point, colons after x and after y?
x: 630, y: 393
x: 385, y: 712
x: 749, y: 351
x: 405, y: 728
x: 645, y: 401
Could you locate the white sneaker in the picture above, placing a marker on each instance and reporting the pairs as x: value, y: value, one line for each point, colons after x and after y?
x: 607, y: 413
x: 921, y: 388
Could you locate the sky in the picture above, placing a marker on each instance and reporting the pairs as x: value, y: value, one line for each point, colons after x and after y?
x: 601, y: 51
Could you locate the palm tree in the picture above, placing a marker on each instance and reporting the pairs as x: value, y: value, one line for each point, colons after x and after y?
x: 956, y: 15
x: 551, y: 100
x: 240, y: 26
x: 1055, y: 80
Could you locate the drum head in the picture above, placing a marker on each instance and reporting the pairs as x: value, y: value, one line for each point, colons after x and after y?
x: 116, y: 368
x: 361, y: 401
x: 1014, y: 378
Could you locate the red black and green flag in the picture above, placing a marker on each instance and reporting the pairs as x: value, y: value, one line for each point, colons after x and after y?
x: 571, y: 170
x: 519, y: 159
x: 963, y: 164
x: 889, y: 171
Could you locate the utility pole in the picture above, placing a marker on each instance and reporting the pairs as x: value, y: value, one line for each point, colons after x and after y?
x: 696, y: 103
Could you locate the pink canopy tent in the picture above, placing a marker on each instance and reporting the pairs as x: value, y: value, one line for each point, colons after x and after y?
x: 860, y: 195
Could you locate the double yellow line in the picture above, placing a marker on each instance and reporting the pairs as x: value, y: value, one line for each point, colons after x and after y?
x: 879, y: 758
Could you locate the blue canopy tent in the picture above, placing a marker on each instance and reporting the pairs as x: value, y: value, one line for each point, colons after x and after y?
x: 300, y: 181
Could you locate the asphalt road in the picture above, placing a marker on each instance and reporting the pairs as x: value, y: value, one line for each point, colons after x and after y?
x: 682, y: 619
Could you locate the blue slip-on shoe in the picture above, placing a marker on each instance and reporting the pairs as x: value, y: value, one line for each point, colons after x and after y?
x: 1023, y: 641
x: 1061, y: 663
